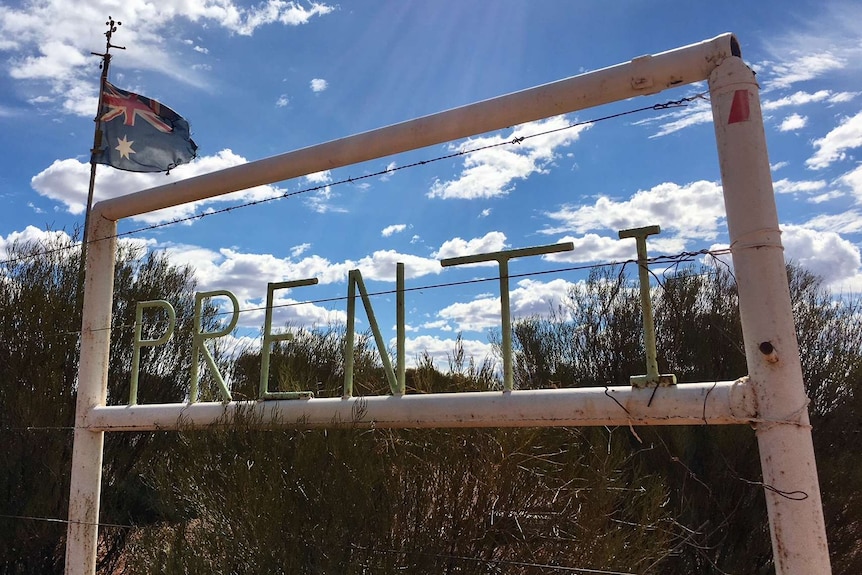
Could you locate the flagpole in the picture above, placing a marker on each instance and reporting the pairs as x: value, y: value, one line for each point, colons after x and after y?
x: 97, y: 136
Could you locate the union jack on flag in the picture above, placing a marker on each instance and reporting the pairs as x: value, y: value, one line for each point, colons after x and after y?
x: 140, y: 134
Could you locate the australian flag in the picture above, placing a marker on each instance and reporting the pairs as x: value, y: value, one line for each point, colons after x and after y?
x: 141, y: 135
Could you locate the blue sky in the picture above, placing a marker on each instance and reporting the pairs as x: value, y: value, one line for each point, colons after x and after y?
x: 259, y: 79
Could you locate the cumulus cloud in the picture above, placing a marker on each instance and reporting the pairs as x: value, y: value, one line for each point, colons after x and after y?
x: 833, y: 146
x: 692, y: 211
x: 491, y: 172
x: 319, y: 85
x: 596, y: 248
x: 67, y: 181
x: 440, y: 349
x: 824, y: 253
x: 31, y: 235
x: 381, y: 265
x: 242, y: 272
x: 246, y: 275
x: 282, y: 101
x: 793, y: 122
x: 529, y: 298
x: 319, y: 177
x: 490, y: 242
x: 440, y: 324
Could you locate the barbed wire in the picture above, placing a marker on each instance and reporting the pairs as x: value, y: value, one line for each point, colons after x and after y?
x: 680, y: 103
x: 66, y: 521
x: 675, y: 259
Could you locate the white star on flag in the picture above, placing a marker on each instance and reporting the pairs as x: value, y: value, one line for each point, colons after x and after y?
x: 124, y: 146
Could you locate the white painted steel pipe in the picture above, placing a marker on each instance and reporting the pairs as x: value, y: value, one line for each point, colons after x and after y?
x: 786, y: 449
x: 787, y: 458
x: 85, y: 487
x: 685, y: 404
x: 641, y: 76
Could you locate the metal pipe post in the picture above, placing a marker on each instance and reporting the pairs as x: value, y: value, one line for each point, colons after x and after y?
x: 83, y: 531
x: 772, y: 352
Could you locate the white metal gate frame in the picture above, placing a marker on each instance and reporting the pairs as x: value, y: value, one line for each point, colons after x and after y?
x: 772, y: 398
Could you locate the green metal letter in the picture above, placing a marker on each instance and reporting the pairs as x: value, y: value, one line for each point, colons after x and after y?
x: 269, y: 338
x: 354, y: 279
x: 652, y: 377
x: 139, y: 343
x: 502, y: 259
x: 199, y: 343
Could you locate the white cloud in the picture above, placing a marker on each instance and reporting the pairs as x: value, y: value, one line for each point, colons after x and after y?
x: 282, y: 101
x: 490, y: 242
x: 832, y: 147
x: 297, y: 251
x: 529, y: 298
x: 318, y: 85
x: 825, y: 197
x: 319, y: 177
x: 692, y: 211
x: 801, y: 98
x: 491, y: 172
x: 823, y: 253
x: 485, y: 213
x: 393, y: 229
x: 595, y: 248
x: 440, y: 324
x: 842, y: 97
x: 50, y: 41
x: 381, y: 265
x: 31, y: 235
x: 786, y: 186
x: 849, y: 222
x: 234, y: 346
x: 322, y: 201
x: 698, y: 112
x: 793, y: 122
x: 243, y: 272
x: 246, y: 275
x: 801, y: 67
x: 390, y: 169
x: 824, y: 42
x: 440, y: 349
x: 66, y: 181
x: 853, y: 180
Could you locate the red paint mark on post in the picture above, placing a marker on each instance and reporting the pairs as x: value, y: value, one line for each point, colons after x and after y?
x: 739, y: 109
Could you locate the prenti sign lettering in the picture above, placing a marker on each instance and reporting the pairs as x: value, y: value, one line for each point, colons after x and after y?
x: 395, y: 377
